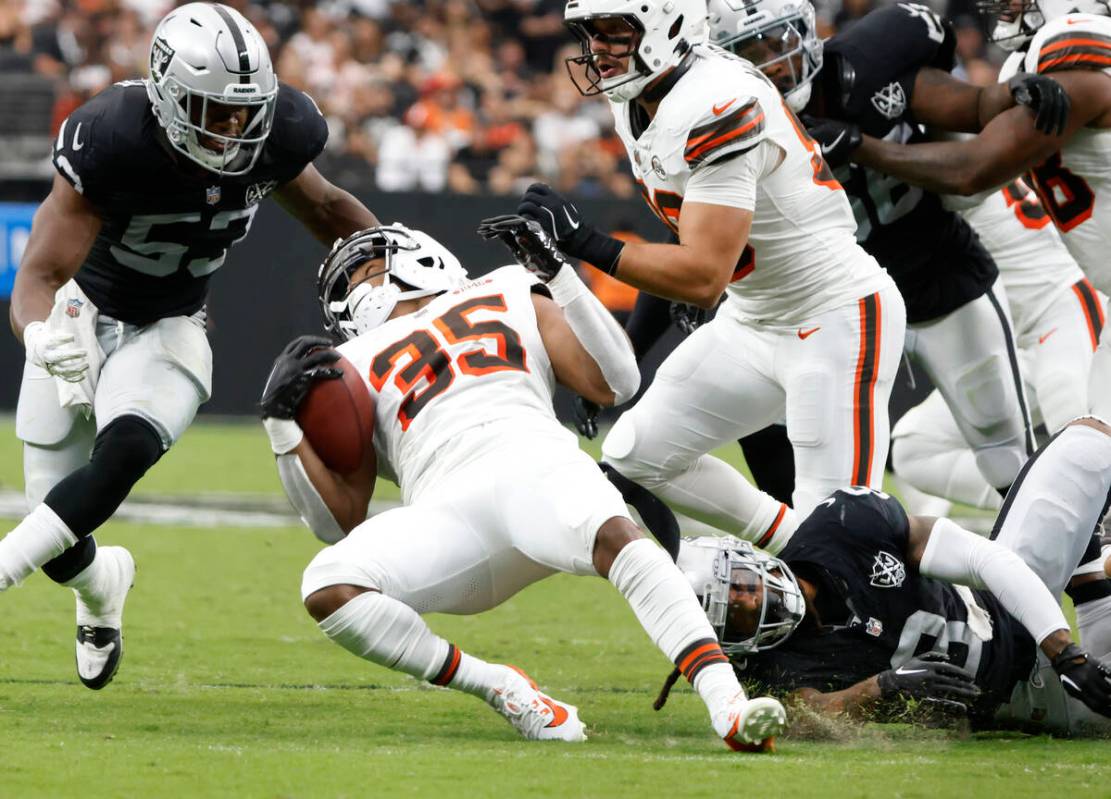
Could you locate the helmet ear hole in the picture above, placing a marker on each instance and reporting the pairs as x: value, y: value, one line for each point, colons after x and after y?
x: 676, y: 26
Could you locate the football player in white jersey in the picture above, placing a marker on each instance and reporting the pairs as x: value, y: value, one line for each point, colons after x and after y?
x: 497, y: 493
x: 1071, y: 40
x: 1058, y: 318
x: 811, y: 327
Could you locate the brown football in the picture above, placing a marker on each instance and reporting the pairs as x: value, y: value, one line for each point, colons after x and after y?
x: 338, y: 419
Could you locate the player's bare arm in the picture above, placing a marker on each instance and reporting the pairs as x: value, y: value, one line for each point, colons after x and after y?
x: 65, y: 226
x: 856, y: 700
x: 698, y: 270
x: 695, y: 271
x: 1007, y: 147
x: 328, y: 211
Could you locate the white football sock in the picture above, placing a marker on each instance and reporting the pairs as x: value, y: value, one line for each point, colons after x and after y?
x: 39, y: 538
x: 713, y: 492
x: 382, y: 630
x: 669, y: 612
x: 98, y: 605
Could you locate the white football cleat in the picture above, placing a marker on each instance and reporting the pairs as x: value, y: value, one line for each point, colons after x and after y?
x: 750, y: 725
x: 535, y: 715
x: 99, y: 645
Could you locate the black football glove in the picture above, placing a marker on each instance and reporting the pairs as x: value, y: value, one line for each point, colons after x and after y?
x: 1085, y: 678
x: 531, y: 246
x: 933, y: 678
x: 562, y: 221
x: 586, y: 417
x: 688, y: 318
x: 304, y: 360
x: 1045, y: 97
x: 837, y: 141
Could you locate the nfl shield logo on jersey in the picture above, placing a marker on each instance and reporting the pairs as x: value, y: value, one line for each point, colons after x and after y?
x: 874, y: 627
x: 890, y: 101
x: 888, y: 571
x: 73, y: 308
x: 212, y: 195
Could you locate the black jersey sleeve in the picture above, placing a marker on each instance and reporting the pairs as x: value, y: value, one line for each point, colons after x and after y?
x: 299, y: 133
x: 881, y: 56
x: 86, y: 150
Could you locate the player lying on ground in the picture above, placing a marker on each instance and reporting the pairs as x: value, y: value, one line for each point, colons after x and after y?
x: 865, y: 604
x: 497, y: 492
x: 156, y: 180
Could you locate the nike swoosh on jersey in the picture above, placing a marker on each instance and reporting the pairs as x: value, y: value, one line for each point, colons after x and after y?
x: 805, y: 334
x: 905, y: 672
x: 1041, y: 339
x: 77, y: 143
x: 828, y: 148
x: 721, y: 109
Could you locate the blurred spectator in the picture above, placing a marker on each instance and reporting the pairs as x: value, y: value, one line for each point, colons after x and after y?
x: 468, y: 95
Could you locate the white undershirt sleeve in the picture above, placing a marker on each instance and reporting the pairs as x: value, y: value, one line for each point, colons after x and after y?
x: 955, y: 555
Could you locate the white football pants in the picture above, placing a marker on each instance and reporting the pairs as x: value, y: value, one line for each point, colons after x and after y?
x: 830, y: 378
x: 161, y: 372
x: 1056, y: 349
x: 970, y: 355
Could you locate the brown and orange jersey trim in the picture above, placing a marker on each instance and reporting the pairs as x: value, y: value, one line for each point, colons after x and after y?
x: 1080, y: 50
x: 744, y: 123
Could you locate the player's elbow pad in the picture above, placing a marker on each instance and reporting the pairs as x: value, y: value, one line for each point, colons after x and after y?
x: 957, y: 556
x: 306, y: 500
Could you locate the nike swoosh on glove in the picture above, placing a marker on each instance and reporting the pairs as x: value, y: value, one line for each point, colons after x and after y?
x: 561, y: 220
x: 1084, y: 678
x: 932, y: 677
x: 836, y: 140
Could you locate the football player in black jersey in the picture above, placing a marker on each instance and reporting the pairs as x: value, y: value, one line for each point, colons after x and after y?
x: 866, y: 604
x: 156, y: 179
x: 886, y: 74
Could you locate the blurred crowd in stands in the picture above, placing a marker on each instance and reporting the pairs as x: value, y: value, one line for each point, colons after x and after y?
x: 469, y: 96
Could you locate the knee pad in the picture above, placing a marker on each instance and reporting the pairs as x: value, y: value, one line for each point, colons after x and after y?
x: 986, y: 395
x: 621, y: 452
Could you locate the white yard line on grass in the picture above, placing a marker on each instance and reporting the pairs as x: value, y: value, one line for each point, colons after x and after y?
x: 263, y: 510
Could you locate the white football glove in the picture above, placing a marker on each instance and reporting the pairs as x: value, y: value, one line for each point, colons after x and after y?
x: 55, y: 352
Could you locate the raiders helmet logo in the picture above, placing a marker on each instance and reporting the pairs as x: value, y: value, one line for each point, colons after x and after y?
x: 888, y: 571
x: 160, y: 56
x: 890, y: 101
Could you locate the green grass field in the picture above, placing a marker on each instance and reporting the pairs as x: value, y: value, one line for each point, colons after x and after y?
x: 228, y: 689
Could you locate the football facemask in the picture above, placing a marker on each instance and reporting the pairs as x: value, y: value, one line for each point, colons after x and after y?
x: 654, y: 36
x: 413, y: 265
x: 778, y: 36
x: 753, y: 600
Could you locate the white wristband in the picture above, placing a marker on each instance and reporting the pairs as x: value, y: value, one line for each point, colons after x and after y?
x: 566, y: 285
x: 285, y: 434
x: 30, y: 333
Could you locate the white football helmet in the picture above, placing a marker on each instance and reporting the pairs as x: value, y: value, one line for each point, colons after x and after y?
x: 1016, y: 21
x: 773, y: 606
x: 778, y: 36
x: 207, y: 62
x: 661, y: 33
x: 409, y: 257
